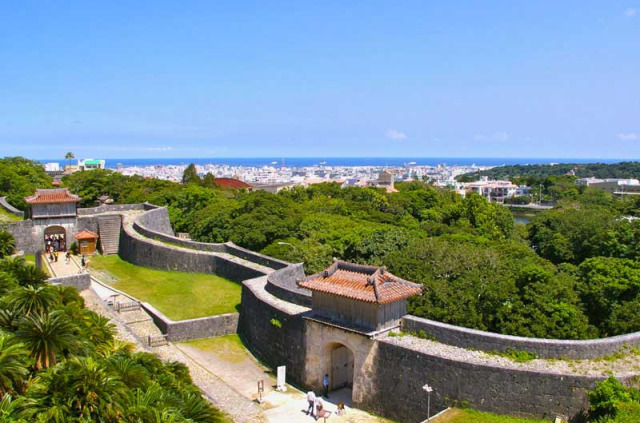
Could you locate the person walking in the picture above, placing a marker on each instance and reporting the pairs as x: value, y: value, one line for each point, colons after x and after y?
x: 325, y: 384
x: 311, y: 400
x: 83, y: 263
x: 67, y: 257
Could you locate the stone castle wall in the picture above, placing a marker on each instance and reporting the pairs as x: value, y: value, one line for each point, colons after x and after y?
x: 543, y: 348
x: 273, y: 330
x: 185, y: 330
x: 404, y: 371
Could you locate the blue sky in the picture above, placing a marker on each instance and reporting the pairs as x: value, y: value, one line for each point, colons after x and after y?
x: 320, y: 78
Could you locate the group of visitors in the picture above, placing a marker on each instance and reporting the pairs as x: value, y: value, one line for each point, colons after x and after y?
x: 55, y: 242
x: 316, y: 405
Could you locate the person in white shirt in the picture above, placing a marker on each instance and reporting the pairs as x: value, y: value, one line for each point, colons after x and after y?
x: 311, y: 399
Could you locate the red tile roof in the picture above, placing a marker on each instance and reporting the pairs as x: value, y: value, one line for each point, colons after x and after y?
x: 362, y: 283
x: 52, y: 196
x: 85, y: 234
x: 230, y: 183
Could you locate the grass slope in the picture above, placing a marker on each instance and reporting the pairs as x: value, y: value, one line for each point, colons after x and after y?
x: 179, y: 295
x: 8, y: 217
x: 472, y: 416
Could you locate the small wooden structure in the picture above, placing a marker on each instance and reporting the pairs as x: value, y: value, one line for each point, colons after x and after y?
x: 365, y: 298
x: 87, y: 242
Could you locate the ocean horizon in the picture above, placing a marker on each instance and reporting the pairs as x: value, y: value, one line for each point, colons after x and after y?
x: 112, y: 163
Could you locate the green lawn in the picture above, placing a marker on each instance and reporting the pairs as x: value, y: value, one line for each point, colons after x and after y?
x: 472, y: 416
x: 5, y: 215
x: 179, y: 295
x: 227, y: 347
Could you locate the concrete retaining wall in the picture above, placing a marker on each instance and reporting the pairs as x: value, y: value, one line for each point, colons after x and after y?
x: 185, y: 330
x: 9, y: 208
x: 80, y: 282
x: 543, y: 348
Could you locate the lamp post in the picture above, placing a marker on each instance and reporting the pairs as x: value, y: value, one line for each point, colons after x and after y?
x: 428, y: 389
x: 287, y: 243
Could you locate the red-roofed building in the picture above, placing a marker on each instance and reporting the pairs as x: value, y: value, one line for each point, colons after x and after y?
x: 87, y: 241
x: 231, y: 183
x: 52, y: 203
x: 365, y: 297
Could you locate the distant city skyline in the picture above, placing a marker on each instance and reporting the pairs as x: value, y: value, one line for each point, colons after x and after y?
x: 198, y: 79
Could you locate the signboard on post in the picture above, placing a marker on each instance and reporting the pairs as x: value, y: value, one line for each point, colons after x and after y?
x: 282, y: 375
x: 260, y: 390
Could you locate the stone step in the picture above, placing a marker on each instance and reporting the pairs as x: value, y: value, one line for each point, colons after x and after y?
x: 109, y: 228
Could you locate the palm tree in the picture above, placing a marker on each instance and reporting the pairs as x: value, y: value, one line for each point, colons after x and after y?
x: 30, y: 299
x: 29, y: 275
x: 9, y: 407
x: 129, y: 372
x: 45, y: 336
x: 69, y: 156
x: 92, y: 391
x: 13, y: 364
x: 7, y: 282
x: 7, y: 244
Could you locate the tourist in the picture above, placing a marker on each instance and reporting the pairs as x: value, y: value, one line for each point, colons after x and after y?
x: 67, y: 257
x: 311, y: 399
x: 325, y: 384
x: 319, y: 406
x: 83, y: 263
x: 55, y: 255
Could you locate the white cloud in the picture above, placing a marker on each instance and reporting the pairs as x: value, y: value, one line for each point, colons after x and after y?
x: 394, y: 134
x: 159, y: 148
x: 630, y: 136
x: 499, y: 136
x: 630, y: 13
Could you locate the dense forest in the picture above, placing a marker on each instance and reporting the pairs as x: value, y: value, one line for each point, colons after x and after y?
x: 19, y: 177
x: 580, y: 170
x: 571, y: 273
x: 60, y: 362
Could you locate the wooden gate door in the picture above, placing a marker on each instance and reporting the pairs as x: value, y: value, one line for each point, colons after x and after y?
x: 341, y: 368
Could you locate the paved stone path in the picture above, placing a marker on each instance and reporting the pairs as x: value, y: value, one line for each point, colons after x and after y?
x: 239, y: 369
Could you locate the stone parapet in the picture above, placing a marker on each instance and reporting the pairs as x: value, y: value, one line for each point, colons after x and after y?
x: 283, y: 284
x: 80, y: 282
x: 543, y: 348
x: 109, y: 208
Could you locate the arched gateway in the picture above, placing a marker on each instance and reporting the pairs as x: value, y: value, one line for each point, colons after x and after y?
x: 351, y: 305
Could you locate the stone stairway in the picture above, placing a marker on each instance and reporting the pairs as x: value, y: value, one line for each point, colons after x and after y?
x: 141, y: 324
x: 109, y: 228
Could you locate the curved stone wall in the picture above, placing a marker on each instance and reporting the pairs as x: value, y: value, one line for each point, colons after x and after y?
x: 273, y: 329
x: 157, y: 221
x: 543, y: 348
x: 9, y: 208
x: 283, y: 284
x: 155, y: 224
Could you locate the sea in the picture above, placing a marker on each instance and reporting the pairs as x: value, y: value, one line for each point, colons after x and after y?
x: 341, y: 161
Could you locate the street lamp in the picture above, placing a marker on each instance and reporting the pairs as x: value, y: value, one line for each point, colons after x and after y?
x: 429, y: 390
x: 286, y: 243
